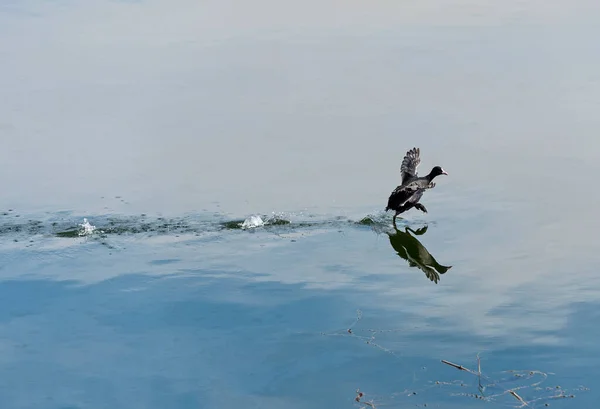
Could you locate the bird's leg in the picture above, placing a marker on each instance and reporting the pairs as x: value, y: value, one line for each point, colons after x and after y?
x: 394, y: 219
x: 421, y: 207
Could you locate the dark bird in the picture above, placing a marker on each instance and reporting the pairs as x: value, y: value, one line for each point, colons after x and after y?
x: 407, y: 195
x: 410, y: 249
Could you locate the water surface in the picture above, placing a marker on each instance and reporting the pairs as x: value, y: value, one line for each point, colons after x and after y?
x: 167, y: 126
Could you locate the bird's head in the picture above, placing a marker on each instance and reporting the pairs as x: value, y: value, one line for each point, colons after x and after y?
x: 436, y: 171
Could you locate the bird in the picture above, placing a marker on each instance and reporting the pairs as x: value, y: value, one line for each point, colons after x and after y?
x: 407, y: 195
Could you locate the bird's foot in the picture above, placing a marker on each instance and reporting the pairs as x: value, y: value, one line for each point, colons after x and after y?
x: 421, y: 207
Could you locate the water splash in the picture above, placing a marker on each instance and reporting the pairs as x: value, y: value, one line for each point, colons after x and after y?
x: 86, y: 228
x: 252, y: 222
x: 63, y: 225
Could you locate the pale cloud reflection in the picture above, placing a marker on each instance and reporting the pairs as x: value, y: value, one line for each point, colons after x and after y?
x: 159, y: 21
x: 148, y: 98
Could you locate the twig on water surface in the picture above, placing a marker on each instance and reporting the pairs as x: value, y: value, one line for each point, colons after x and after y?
x: 358, y: 317
x: 478, y: 374
x: 369, y: 340
x: 490, y: 390
x: 359, y: 396
x: 459, y: 367
x: 520, y: 399
x: 479, y: 385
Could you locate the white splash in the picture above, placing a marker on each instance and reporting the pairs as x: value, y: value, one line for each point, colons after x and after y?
x: 252, y: 222
x: 86, y: 228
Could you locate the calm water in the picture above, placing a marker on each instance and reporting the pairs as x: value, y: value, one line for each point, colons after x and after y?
x: 168, y: 124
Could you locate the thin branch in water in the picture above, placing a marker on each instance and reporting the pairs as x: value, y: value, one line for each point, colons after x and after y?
x: 523, y: 386
x: 520, y: 399
x: 459, y: 367
x: 480, y: 386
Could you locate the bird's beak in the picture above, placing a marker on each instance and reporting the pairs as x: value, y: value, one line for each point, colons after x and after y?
x: 444, y: 172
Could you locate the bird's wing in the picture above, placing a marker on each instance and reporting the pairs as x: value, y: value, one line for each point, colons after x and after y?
x: 410, y: 163
x: 416, y: 184
x: 416, y: 196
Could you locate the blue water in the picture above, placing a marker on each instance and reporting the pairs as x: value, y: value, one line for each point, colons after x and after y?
x: 292, y: 315
x: 167, y: 126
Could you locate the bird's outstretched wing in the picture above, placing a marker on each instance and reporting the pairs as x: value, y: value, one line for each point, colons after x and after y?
x: 410, y: 163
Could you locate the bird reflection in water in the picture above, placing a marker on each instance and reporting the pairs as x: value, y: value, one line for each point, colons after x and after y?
x: 410, y: 249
